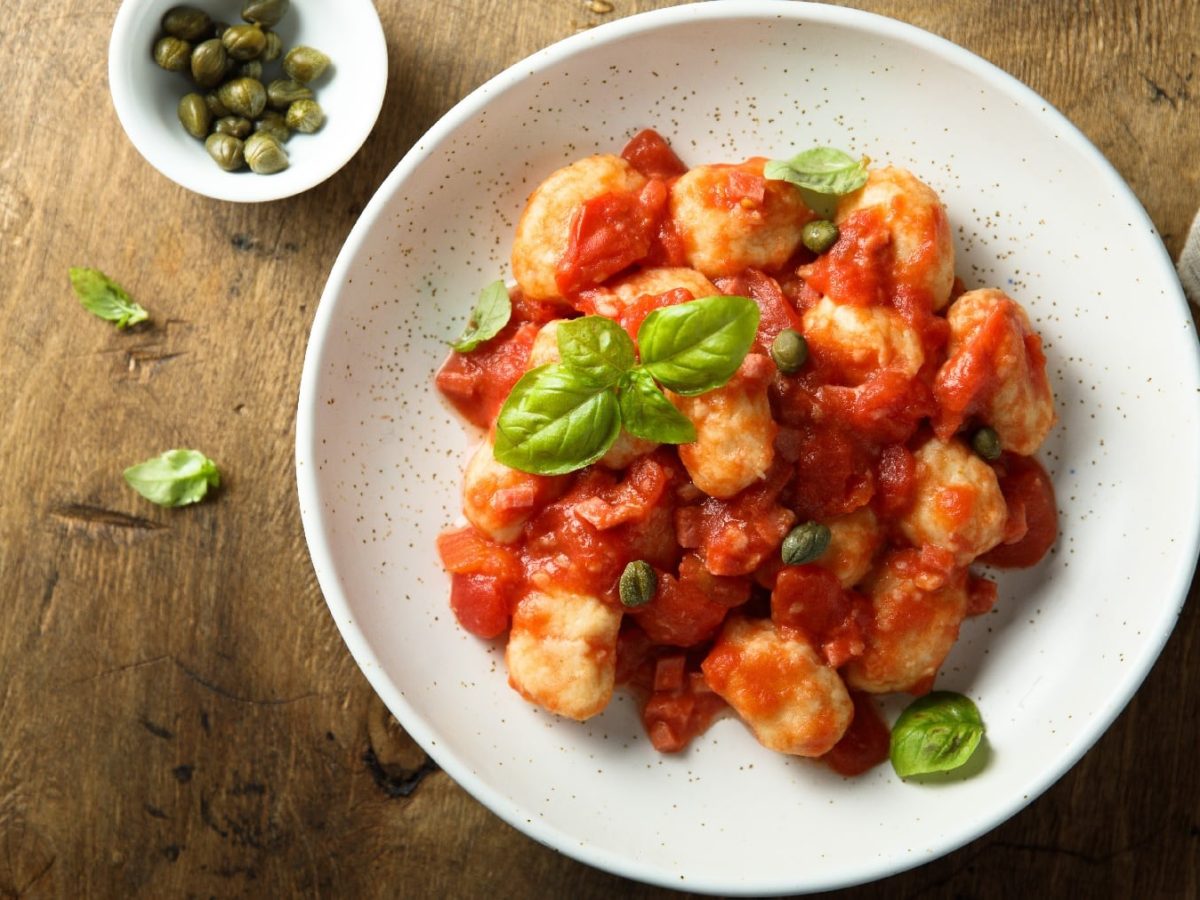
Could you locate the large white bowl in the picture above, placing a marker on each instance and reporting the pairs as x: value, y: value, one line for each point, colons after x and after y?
x: 146, y: 97
x: 1035, y: 210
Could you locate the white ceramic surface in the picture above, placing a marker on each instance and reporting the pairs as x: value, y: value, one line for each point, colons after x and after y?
x: 1035, y: 210
x: 146, y: 97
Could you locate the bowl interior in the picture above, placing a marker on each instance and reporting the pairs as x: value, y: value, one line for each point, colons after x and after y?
x: 1035, y: 210
x: 146, y: 97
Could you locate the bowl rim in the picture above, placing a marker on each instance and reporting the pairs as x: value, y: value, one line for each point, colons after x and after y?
x: 313, y: 516
x: 230, y: 187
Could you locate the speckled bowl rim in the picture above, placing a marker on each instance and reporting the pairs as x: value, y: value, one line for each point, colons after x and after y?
x: 313, y: 515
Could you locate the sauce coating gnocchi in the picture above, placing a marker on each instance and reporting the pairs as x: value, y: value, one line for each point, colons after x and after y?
x: 866, y: 442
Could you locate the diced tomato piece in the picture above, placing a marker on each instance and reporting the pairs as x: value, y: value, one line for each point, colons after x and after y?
x: 810, y: 599
x: 478, y: 382
x: 742, y: 188
x: 673, y: 717
x: 539, y: 312
x: 833, y: 474
x: 649, y: 153
x: 857, y: 269
x: 866, y: 742
x: 895, y: 481
x: 632, y: 316
x: 981, y: 595
x: 691, y: 607
x: 887, y: 407
x: 775, y: 311
x: 632, y: 500
x: 481, y: 604
x: 465, y: 551
x: 610, y: 233
x: 1029, y: 494
x: 669, y: 672
x: 634, y: 650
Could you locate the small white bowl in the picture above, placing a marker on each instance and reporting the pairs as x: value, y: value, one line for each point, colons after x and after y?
x: 146, y: 96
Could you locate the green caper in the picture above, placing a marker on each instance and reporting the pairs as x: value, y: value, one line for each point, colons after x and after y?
x: 208, y: 63
x: 194, y: 115
x: 235, y: 125
x: 251, y: 69
x: 274, y: 124
x: 243, y: 97
x: 243, y: 42
x: 304, y: 64
x: 638, y: 584
x: 819, y: 235
x: 305, y: 116
x: 216, y: 108
x: 282, y: 93
x: 805, y: 543
x: 266, y: 13
x: 272, y: 48
x: 226, y: 150
x: 172, y: 53
x: 187, y: 22
x: 264, y: 154
x: 986, y: 443
x: 789, y: 350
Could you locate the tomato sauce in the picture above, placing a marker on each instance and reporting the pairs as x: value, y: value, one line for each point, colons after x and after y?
x: 866, y: 742
x: 1029, y: 494
x: 478, y: 382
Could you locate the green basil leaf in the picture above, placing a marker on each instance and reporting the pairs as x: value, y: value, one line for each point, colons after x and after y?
x: 491, y: 313
x: 695, y: 347
x: 936, y: 733
x: 555, y: 422
x: 103, y: 297
x: 648, y: 414
x: 822, y: 170
x: 176, y: 478
x: 597, y: 348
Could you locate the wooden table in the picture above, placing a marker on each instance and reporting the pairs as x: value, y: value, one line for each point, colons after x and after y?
x: 179, y: 715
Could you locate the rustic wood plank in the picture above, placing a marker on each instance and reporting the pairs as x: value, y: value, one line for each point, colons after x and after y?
x: 179, y: 715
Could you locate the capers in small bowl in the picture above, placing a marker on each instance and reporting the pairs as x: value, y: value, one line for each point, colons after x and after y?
x: 266, y: 13
x: 252, y: 69
x: 243, y: 97
x: 305, y: 116
x: 187, y: 22
x: 172, y: 53
x: 216, y: 108
x: 274, y: 124
x: 226, y: 150
x: 282, y: 93
x: 273, y: 47
x: 208, y: 63
x: 305, y: 64
x: 264, y: 154
x: 243, y: 42
x: 194, y: 115
x: 238, y: 126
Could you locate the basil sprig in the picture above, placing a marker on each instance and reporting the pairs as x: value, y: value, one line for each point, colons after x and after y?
x: 176, y: 478
x: 103, y: 297
x: 491, y: 313
x: 936, y: 733
x: 564, y: 416
x: 822, y: 170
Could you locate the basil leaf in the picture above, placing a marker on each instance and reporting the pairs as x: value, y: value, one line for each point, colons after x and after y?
x: 555, y: 422
x: 596, y: 348
x: 103, y: 297
x: 936, y: 733
x: 695, y: 347
x: 176, y: 478
x: 648, y: 414
x: 822, y: 170
x: 491, y: 313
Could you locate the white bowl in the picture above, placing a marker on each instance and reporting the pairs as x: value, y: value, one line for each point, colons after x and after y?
x: 1035, y: 210
x: 146, y: 97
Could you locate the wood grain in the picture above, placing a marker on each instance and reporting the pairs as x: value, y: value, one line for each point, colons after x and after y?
x: 179, y: 715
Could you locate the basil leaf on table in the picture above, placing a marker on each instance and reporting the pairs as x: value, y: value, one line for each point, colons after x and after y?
x: 696, y: 347
x: 555, y: 421
x: 936, y: 733
x: 491, y: 313
x: 176, y: 478
x: 647, y: 413
x: 103, y: 297
x: 822, y: 170
x: 597, y: 348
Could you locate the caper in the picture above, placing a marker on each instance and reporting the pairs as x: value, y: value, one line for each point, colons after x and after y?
x: 274, y: 124
x: 265, y: 12
x: 638, y: 584
x: 805, y: 543
x: 819, y: 235
x: 226, y: 150
x: 172, y: 53
x: 282, y: 93
x: 304, y: 64
x: 187, y: 22
x: 243, y: 42
x: 235, y: 125
x: 986, y: 443
x: 244, y: 97
x: 251, y: 69
x: 219, y: 29
x: 272, y: 48
x: 208, y: 63
x: 216, y: 108
x: 194, y: 115
x: 305, y: 116
x: 264, y: 154
x: 789, y: 350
